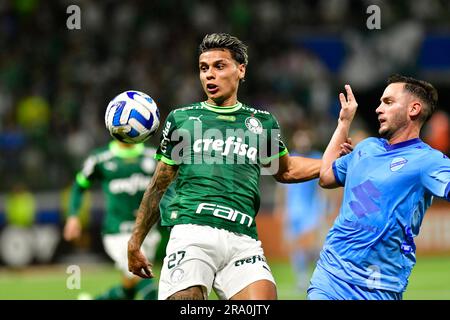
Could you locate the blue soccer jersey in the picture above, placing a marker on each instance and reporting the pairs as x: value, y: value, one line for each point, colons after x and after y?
x: 387, y: 191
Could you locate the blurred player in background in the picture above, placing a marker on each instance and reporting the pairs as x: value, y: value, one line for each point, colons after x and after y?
x: 213, y: 241
x: 389, y: 183
x: 124, y: 171
x: 302, y: 208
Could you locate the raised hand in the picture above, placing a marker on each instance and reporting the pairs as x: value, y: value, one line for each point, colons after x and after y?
x: 348, y: 105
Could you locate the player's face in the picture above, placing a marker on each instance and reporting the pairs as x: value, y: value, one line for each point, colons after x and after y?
x: 220, y: 75
x: 393, y: 110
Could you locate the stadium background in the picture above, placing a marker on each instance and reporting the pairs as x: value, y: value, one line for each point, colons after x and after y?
x: 55, y: 84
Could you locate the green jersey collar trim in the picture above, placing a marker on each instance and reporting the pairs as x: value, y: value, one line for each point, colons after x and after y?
x: 132, y: 152
x: 82, y: 181
x: 226, y: 109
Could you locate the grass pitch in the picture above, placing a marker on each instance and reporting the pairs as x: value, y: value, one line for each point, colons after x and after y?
x: 429, y: 281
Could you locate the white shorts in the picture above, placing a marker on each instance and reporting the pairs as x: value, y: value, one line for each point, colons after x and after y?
x: 116, y: 246
x: 212, y: 258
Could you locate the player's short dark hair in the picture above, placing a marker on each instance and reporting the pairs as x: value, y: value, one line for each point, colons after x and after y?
x: 237, y: 48
x: 422, y: 90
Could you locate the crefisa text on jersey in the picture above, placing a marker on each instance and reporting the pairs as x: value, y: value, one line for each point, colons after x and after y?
x: 227, y: 309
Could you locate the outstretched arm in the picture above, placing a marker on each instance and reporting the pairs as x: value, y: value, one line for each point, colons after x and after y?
x: 339, y: 138
x: 148, y: 214
x: 293, y: 169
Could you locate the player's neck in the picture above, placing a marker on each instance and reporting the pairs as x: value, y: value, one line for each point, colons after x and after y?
x: 404, y: 135
x: 228, y: 102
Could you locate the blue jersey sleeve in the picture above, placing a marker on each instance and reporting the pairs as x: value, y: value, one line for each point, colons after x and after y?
x: 435, y: 175
x: 340, y: 166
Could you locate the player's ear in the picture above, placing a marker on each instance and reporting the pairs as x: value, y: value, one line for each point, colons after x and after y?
x: 241, y: 68
x: 415, y: 108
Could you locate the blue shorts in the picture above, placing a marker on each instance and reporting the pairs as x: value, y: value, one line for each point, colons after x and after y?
x: 326, y: 286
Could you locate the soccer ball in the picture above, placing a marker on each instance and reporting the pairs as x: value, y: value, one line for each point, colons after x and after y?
x: 132, y: 117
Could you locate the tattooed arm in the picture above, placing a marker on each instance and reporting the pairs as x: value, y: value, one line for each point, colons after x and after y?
x: 148, y: 214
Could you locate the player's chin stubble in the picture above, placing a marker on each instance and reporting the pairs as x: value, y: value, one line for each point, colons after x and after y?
x: 384, y: 133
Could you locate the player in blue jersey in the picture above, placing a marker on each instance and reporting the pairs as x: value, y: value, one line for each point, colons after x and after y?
x: 389, y: 182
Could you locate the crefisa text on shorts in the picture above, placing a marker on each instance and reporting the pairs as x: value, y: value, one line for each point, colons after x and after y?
x: 251, y: 310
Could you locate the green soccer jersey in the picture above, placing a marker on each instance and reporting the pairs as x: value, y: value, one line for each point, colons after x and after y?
x: 124, y: 175
x: 219, y: 151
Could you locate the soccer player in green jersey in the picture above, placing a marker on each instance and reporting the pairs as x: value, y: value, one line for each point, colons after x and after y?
x: 124, y: 171
x: 213, y: 151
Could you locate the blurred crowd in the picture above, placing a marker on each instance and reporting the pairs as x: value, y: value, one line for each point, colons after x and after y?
x: 55, y: 83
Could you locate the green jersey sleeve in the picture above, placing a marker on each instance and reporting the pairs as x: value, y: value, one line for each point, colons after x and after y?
x: 88, y: 172
x: 167, y: 142
x: 275, y: 147
x: 75, y: 200
x: 83, y: 181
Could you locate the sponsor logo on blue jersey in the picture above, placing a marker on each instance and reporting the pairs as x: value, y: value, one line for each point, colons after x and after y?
x: 397, y: 164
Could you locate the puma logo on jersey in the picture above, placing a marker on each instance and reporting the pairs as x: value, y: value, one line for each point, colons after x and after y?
x: 231, y: 145
x: 196, y: 118
x: 224, y: 213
